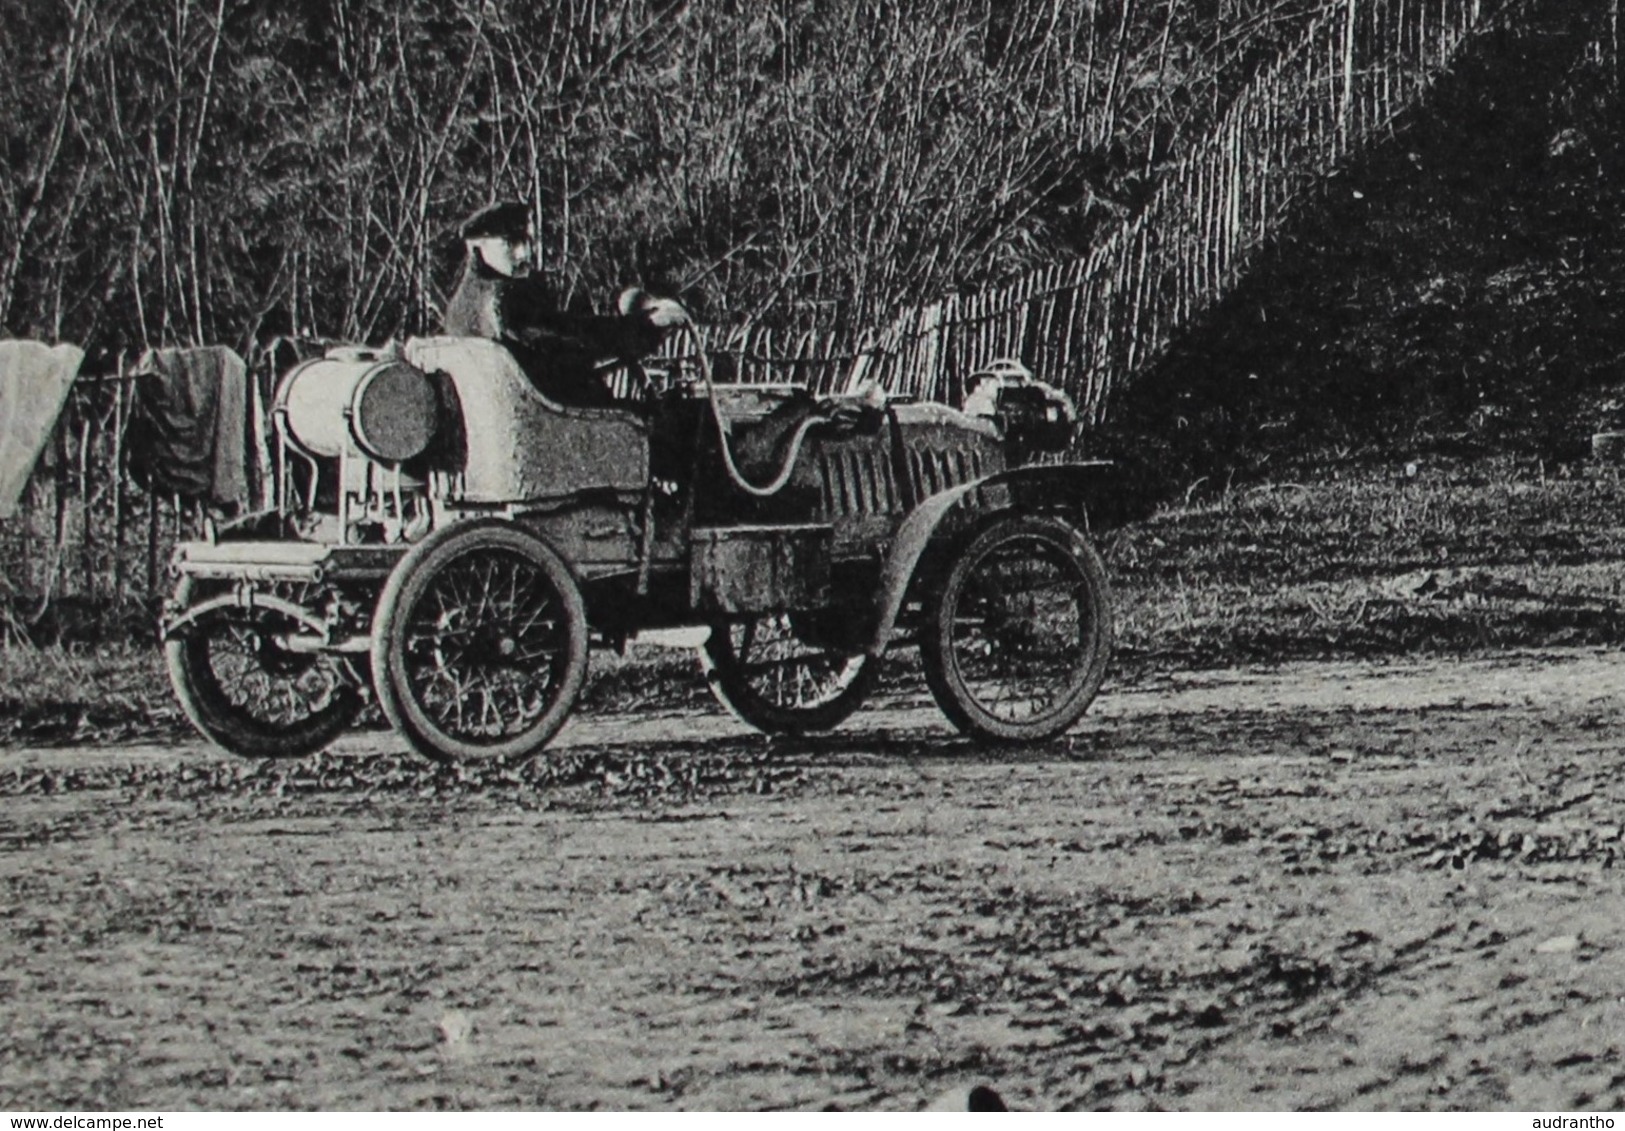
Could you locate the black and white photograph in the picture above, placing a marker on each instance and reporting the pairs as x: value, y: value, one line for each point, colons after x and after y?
x: 812, y: 556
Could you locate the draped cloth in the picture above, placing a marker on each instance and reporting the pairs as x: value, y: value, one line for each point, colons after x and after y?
x: 189, y: 427
x: 34, y: 382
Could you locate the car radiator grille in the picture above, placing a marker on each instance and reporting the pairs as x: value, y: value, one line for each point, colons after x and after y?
x: 857, y: 483
x: 862, y: 482
x: 937, y: 469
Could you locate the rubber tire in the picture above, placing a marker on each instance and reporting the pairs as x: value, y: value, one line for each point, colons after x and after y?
x: 733, y: 691
x: 406, y: 586
x: 942, y: 673
x: 227, y: 725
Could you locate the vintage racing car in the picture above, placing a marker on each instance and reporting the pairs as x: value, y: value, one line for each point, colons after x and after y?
x: 449, y: 540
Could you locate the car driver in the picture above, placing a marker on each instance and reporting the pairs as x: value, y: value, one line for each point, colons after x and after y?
x: 499, y: 297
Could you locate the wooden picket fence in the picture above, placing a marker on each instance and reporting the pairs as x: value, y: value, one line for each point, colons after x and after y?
x: 1090, y: 324
x: 85, y: 534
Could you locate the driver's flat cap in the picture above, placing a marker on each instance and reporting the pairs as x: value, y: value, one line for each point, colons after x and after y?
x: 508, y: 219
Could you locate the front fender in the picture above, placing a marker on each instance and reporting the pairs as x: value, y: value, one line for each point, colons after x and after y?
x: 1075, y: 489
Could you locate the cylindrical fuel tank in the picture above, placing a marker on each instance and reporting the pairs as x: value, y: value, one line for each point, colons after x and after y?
x: 385, y: 407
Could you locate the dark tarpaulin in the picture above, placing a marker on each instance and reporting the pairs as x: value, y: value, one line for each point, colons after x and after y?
x: 189, y: 426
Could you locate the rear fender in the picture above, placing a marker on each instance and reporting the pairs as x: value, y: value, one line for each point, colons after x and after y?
x: 244, y: 598
x: 1074, y: 489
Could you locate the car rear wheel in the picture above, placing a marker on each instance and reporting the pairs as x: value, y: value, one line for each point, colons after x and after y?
x: 479, y: 644
x: 245, y: 690
x: 770, y: 676
x: 1016, y: 644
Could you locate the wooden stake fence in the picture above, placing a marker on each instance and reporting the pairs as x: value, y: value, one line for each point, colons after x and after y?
x: 1090, y: 325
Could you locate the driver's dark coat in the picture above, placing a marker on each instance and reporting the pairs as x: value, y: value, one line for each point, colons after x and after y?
x: 557, y: 349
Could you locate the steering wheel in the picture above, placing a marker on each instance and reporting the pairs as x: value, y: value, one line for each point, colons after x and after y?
x: 640, y: 386
x: 647, y: 387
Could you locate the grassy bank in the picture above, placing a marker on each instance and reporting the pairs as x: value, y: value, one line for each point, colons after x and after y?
x: 1443, y: 559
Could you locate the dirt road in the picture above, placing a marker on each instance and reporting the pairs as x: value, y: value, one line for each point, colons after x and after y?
x: 1339, y: 886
